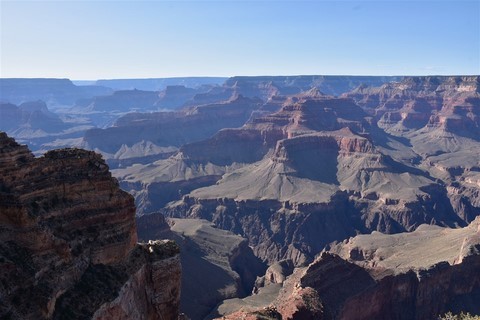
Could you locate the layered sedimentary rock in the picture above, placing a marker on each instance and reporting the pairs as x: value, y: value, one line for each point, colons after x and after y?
x: 171, y: 128
x: 438, y: 120
x: 174, y: 97
x: 415, y: 102
x: 202, y: 163
x: 30, y: 119
x: 68, y: 242
x: 265, y: 87
x: 217, y: 264
x: 318, y: 161
x: 418, y: 275
x: 289, y: 206
x: 124, y: 100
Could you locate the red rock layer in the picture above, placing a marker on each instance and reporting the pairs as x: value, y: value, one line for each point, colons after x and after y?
x: 62, y: 216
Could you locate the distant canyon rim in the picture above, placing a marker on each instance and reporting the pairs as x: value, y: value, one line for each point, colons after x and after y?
x: 303, y: 178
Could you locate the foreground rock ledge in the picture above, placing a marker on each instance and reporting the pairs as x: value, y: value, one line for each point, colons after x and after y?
x: 68, y: 243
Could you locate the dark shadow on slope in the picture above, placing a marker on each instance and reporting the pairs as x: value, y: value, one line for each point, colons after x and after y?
x: 205, y: 284
x: 348, y: 281
x: 205, y: 281
x: 397, y: 167
x: 316, y: 163
x: 381, y: 138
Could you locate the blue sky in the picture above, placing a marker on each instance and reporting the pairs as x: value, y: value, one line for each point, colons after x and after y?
x: 145, y: 39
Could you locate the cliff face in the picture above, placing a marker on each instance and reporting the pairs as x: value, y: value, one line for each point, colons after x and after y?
x: 66, y: 226
x: 416, y: 102
x: 276, y: 230
x: 216, y: 264
x: 406, y: 276
x: 53, y: 91
x: 418, y: 275
x: 207, y: 160
x: 265, y: 86
x: 30, y: 119
x: 124, y: 100
x: 289, y: 206
x: 172, y: 128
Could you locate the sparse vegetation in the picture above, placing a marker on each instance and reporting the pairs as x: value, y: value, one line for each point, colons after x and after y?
x: 461, y: 316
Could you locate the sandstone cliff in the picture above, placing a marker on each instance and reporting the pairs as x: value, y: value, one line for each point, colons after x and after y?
x: 68, y: 242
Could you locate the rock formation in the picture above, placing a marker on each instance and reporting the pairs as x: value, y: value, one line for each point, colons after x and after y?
x: 290, y: 208
x: 172, y: 128
x: 216, y: 264
x: 30, y: 119
x: 265, y: 87
x: 293, y: 164
x: 416, y: 102
x: 124, y: 100
x: 319, y: 161
x: 53, y: 91
x: 418, y: 275
x: 175, y: 97
x: 68, y: 242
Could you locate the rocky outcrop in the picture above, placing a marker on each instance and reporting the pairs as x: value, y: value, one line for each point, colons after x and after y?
x: 418, y: 275
x: 406, y: 276
x: 146, y: 285
x: 276, y: 273
x: 68, y: 232
x: 217, y: 264
x: 308, y: 113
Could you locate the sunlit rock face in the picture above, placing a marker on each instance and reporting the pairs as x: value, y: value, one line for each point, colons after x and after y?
x: 418, y: 275
x: 69, y: 244
x: 447, y: 103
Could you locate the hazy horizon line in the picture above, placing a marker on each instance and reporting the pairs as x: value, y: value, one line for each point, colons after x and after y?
x: 248, y: 76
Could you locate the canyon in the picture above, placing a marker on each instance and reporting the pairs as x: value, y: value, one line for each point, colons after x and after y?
x: 286, y: 188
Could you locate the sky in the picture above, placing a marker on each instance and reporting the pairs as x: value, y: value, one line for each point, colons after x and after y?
x: 88, y: 40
